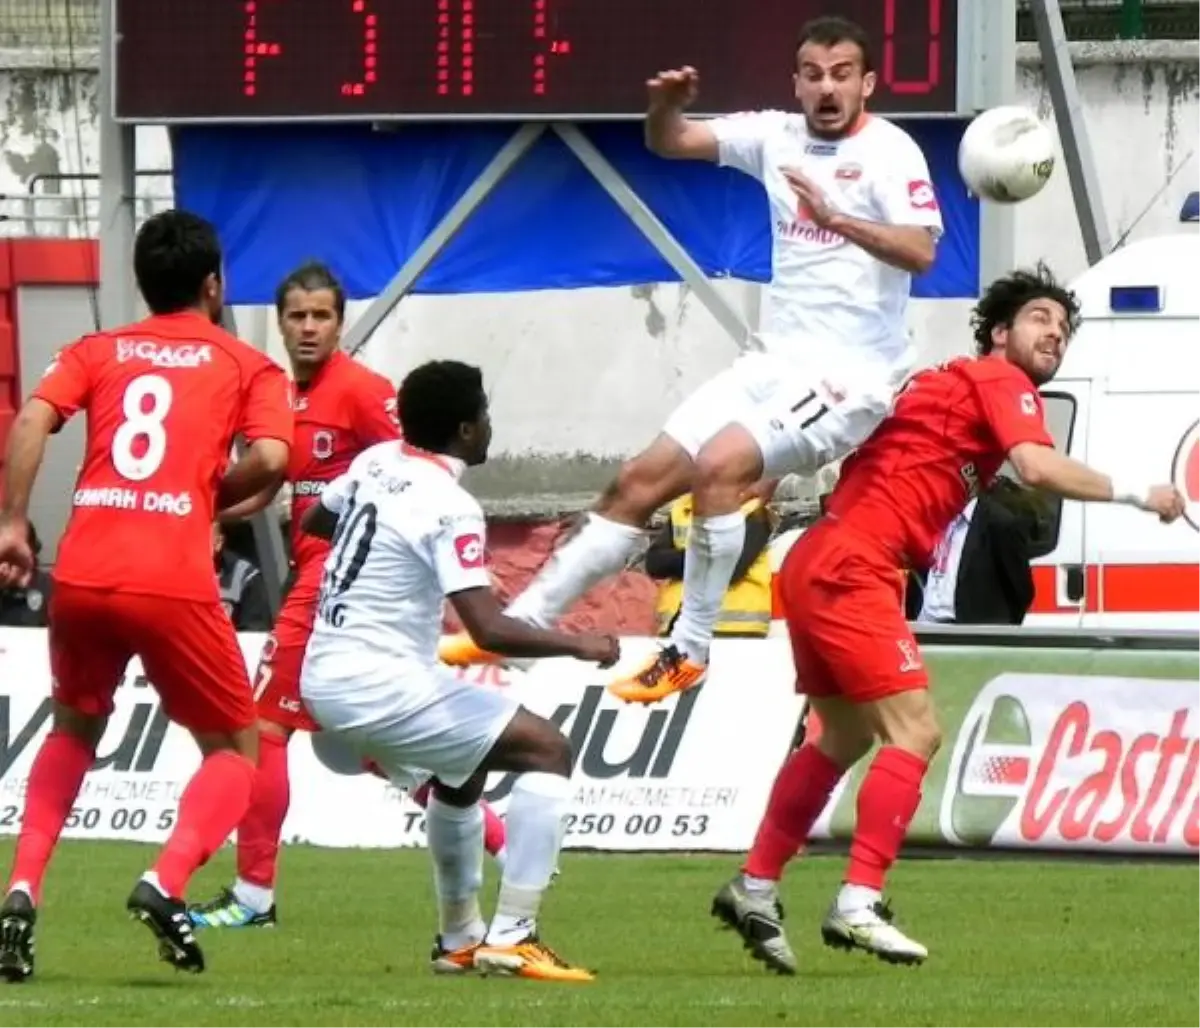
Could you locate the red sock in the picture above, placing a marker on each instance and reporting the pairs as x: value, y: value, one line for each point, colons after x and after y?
x: 887, y: 800
x: 210, y: 808
x: 801, y: 790
x: 260, y: 830
x: 54, y: 782
x: 494, y: 833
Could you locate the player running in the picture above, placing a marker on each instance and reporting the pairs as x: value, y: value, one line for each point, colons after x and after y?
x: 341, y: 408
x: 407, y: 538
x: 951, y: 430
x: 164, y: 398
x: 853, y: 217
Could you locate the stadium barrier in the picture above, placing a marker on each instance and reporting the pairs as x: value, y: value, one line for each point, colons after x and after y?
x: 1075, y: 743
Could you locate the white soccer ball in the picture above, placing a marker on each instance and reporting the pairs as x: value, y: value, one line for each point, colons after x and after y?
x: 1006, y: 155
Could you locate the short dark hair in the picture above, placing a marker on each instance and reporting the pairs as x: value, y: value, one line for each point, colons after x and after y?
x: 435, y: 399
x: 175, y: 251
x: 1003, y: 299
x: 310, y: 277
x: 830, y: 29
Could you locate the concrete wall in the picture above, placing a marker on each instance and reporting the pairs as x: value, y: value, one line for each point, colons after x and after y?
x: 581, y: 378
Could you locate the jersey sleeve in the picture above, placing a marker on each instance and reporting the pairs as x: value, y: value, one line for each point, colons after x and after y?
x: 373, y: 406
x: 459, y: 546
x: 742, y: 138
x: 1013, y: 410
x: 67, y: 382
x: 905, y: 193
x: 267, y: 404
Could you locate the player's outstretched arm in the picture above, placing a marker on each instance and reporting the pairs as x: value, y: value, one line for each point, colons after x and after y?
x: 248, y: 508
x: 261, y: 468
x: 22, y: 459
x: 492, y: 630
x: 1043, y: 467
x: 320, y: 521
x: 670, y: 133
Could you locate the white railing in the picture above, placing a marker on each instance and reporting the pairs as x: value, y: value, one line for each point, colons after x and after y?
x: 67, y: 206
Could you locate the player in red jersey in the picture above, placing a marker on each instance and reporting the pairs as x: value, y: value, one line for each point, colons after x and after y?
x: 165, y: 399
x: 341, y: 408
x: 949, y: 432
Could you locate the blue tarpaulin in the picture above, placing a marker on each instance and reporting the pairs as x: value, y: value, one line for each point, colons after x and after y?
x: 363, y: 201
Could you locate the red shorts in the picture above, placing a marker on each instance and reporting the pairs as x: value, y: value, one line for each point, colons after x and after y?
x: 844, y: 604
x: 189, y: 652
x: 277, y: 680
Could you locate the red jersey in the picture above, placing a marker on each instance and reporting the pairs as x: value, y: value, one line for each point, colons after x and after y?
x: 164, y: 398
x: 345, y: 408
x: 949, y: 431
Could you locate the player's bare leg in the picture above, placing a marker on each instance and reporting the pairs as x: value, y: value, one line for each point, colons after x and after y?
x: 211, y: 806
x: 599, y: 548
x: 541, y: 755
x: 55, y: 778
x: 250, y: 901
x: 749, y: 902
x: 726, y: 468
x: 907, y: 728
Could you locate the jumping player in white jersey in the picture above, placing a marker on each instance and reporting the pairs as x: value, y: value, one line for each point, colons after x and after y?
x: 406, y: 536
x: 854, y: 216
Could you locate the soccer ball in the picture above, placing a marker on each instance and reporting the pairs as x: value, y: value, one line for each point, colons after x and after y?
x: 1006, y: 155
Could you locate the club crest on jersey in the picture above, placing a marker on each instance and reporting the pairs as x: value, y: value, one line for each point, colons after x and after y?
x: 469, y: 548
x: 322, y: 444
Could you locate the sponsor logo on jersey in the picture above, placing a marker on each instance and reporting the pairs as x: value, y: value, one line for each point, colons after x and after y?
x: 921, y: 195
x: 469, y: 548
x: 323, y: 444
x: 821, y: 149
x: 163, y: 355
x: 308, y: 487
x: 849, y: 172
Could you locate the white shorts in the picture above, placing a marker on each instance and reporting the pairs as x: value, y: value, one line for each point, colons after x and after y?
x: 410, y: 721
x: 801, y: 419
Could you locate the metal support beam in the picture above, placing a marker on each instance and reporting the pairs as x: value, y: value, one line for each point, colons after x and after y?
x: 425, y: 254
x: 118, y: 300
x: 995, y: 32
x: 1068, y: 112
x: 655, y: 231
x: 268, y: 537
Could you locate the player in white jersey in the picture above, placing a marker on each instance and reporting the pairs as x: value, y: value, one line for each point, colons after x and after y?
x: 406, y: 536
x: 854, y: 216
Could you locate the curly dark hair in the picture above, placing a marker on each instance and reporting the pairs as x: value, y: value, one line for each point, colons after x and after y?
x: 1003, y: 299
x: 437, y: 398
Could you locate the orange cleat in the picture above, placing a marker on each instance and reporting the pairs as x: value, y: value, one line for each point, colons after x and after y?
x: 667, y: 673
x: 528, y: 958
x: 460, y: 650
x: 452, y: 961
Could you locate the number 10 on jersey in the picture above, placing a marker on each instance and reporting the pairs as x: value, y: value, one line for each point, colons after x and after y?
x: 351, y: 547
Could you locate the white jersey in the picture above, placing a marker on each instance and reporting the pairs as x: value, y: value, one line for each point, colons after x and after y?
x: 408, y: 535
x: 827, y: 294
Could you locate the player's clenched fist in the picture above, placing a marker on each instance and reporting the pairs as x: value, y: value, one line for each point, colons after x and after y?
x: 674, y: 89
x: 1167, y: 502
x: 604, y: 650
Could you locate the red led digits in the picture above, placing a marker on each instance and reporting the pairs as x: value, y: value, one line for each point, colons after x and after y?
x: 543, y: 45
x: 253, y: 48
x: 455, y: 48
x: 370, y: 51
x: 933, y: 59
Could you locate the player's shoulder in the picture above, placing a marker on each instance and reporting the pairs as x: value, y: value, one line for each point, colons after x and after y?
x: 994, y: 369
x: 769, y: 121
x: 360, y: 378
x: 880, y: 133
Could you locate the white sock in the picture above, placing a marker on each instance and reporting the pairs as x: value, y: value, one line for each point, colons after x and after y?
x: 536, y: 808
x: 599, y: 549
x: 856, y: 897
x: 714, y: 546
x: 760, y: 886
x: 455, y: 837
x: 259, y: 898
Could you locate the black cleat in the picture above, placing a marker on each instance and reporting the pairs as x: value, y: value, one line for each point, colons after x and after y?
x: 168, y: 919
x: 17, y: 918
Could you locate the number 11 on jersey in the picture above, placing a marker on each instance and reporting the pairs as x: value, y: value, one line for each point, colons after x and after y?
x: 351, y: 548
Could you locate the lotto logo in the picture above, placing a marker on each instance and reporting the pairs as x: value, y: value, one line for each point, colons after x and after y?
x: 1185, y: 473
x: 470, y: 550
x: 922, y: 196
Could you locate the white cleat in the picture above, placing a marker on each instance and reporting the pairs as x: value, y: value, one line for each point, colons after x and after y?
x: 871, y: 929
